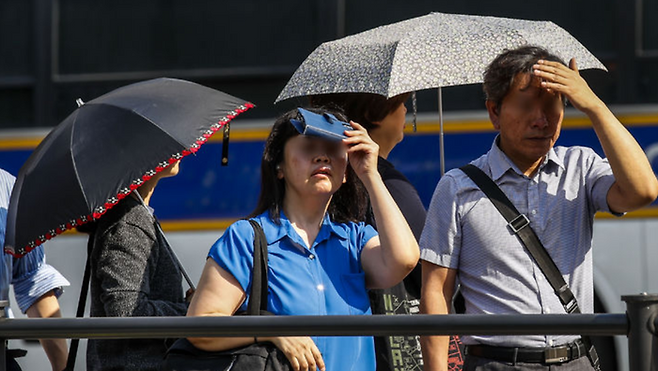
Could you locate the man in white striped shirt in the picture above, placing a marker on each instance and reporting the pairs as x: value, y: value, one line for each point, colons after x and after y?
x: 559, y: 189
x: 36, y: 284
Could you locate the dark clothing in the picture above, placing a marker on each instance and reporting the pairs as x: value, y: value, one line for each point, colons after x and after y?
x: 404, y: 194
x: 133, y: 275
x: 12, y: 365
x: 473, y: 363
x: 399, y: 352
x: 10, y: 359
x: 559, y: 354
x: 408, y: 200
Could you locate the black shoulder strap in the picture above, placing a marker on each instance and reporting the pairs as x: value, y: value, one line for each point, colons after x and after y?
x: 258, y: 293
x: 520, y: 225
x: 80, y: 312
x: 172, y: 255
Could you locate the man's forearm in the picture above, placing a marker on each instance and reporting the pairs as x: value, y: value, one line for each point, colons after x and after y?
x: 47, y: 306
x: 57, y: 352
x: 435, y: 352
x: 635, y: 180
x: 438, y: 283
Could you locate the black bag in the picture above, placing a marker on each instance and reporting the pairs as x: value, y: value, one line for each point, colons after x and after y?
x: 183, y: 356
x: 258, y: 356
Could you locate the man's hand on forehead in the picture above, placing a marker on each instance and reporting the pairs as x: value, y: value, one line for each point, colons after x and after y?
x: 566, y: 81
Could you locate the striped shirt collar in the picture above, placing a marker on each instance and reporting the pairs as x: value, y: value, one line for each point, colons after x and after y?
x: 499, y: 163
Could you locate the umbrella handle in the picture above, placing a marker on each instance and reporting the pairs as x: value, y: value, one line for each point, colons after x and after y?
x: 442, y: 155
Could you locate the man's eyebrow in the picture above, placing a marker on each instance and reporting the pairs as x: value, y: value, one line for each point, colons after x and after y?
x: 526, y: 95
x: 525, y: 88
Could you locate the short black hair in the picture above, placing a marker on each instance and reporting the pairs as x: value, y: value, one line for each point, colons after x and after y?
x: 499, y: 75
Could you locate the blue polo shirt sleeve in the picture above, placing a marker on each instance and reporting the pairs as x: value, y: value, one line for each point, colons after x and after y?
x: 234, y: 252
x: 32, y: 278
x: 365, y: 234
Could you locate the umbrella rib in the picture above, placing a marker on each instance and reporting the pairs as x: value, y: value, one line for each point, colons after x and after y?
x: 73, y: 162
x: 90, y: 207
x: 390, y: 70
x: 144, y: 117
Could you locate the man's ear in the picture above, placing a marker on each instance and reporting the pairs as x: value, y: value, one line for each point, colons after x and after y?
x: 494, y: 113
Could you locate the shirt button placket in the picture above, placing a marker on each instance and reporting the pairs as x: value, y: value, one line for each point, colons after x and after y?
x: 535, y: 223
x: 532, y: 202
x: 319, y: 286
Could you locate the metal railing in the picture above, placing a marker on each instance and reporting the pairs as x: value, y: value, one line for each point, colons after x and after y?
x: 639, y: 324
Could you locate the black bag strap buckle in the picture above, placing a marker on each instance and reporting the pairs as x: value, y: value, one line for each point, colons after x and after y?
x: 519, y: 223
x: 568, y: 300
x: 572, y: 306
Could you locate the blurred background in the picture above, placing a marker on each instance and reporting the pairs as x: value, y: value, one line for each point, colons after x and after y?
x: 55, y: 51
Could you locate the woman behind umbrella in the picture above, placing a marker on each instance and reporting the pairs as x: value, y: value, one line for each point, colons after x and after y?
x: 133, y: 275
x: 321, y: 259
x: 385, y: 121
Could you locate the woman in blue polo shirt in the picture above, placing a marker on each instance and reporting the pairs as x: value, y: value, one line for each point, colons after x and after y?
x: 322, y: 257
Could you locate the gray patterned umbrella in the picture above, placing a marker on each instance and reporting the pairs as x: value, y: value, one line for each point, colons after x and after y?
x: 431, y: 51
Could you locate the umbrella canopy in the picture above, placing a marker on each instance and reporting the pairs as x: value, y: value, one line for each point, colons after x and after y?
x: 426, y: 52
x: 107, y: 148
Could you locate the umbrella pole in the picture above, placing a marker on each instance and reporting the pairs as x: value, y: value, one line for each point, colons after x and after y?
x: 187, y: 278
x: 172, y: 253
x: 441, y: 147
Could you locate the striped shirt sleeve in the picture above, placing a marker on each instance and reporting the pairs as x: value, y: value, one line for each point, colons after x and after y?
x: 30, y: 275
x: 32, y: 278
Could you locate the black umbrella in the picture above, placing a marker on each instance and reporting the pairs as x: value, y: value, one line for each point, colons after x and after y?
x: 106, y: 149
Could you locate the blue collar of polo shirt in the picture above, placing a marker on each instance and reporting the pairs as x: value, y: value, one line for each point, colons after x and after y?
x: 328, y: 228
x: 276, y: 232
x: 499, y: 163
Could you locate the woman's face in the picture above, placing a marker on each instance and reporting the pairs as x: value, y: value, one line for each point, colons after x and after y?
x: 171, y: 170
x: 391, y: 128
x: 313, y: 166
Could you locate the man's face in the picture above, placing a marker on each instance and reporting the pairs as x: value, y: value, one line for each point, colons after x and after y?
x: 529, y: 120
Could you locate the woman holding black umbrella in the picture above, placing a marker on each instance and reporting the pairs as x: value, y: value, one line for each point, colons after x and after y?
x: 321, y: 259
x: 134, y: 274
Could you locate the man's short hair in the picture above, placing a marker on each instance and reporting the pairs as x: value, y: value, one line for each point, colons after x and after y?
x: 499, y: 75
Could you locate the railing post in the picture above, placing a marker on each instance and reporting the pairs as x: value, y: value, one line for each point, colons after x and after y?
x: 642, y: 311
x: 3, y: 342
